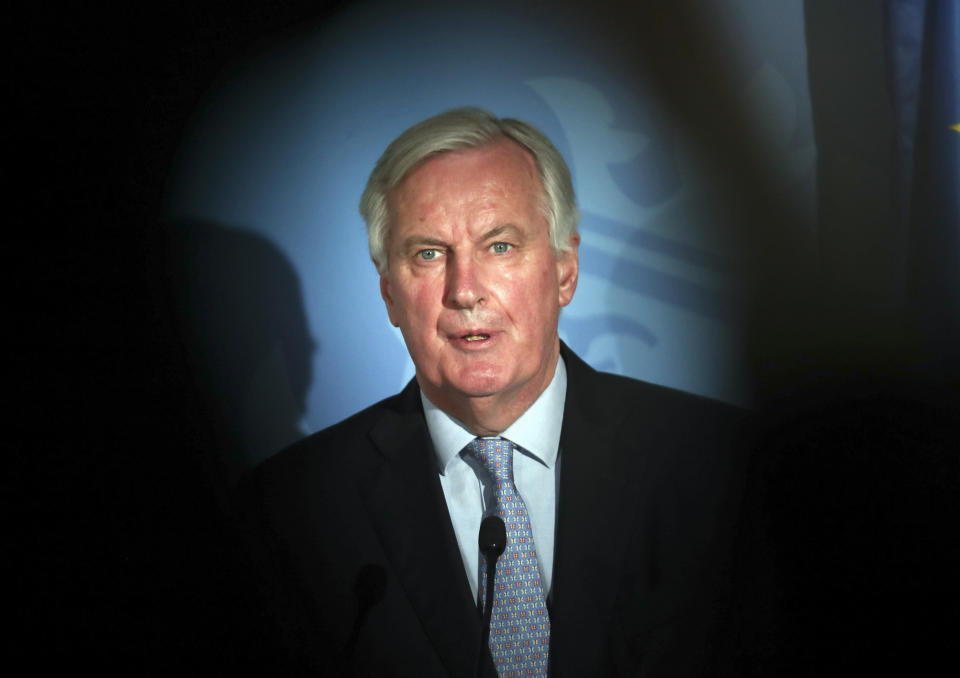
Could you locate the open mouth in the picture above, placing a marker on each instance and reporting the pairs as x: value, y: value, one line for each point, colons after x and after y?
x: 475, y: 337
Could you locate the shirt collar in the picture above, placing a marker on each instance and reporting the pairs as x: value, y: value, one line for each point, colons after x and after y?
x: 537, y: 430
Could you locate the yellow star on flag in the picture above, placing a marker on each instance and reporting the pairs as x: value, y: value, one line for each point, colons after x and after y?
x: 955, y: 128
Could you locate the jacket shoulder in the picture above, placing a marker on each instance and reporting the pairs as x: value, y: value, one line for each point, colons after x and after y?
x: 335, y: 448
x: 615, y: 393
x: 668, y: 397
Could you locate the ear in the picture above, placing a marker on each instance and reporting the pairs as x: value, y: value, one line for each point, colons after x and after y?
x: 388, y: 299
x: 568, y: 269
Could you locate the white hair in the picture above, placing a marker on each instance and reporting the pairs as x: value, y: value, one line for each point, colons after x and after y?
x: 457, y: 130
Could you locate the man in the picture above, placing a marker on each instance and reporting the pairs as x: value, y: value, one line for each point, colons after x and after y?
x: 618, y: 496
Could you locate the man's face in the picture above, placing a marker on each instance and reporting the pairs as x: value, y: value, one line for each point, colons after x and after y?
x: 473, y: 283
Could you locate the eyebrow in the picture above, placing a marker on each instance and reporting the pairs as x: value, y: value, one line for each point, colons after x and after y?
x: 415, y: 241
x: 498, y: 230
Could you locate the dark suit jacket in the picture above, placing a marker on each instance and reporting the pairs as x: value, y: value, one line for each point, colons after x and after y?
x: 649, y: 491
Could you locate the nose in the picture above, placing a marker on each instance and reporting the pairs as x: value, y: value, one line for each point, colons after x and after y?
x: 464, y: 288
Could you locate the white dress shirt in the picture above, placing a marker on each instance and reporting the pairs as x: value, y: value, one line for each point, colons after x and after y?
x: 466, y: 485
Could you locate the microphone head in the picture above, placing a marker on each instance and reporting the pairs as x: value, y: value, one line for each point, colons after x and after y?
x: 493, y: 536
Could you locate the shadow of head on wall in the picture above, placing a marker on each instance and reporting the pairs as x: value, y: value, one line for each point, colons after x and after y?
x: 242, y: 317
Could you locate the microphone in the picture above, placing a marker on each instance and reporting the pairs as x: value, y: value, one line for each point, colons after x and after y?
x: 493, y: 541
x: 493, y: 537
x: 369, y: 587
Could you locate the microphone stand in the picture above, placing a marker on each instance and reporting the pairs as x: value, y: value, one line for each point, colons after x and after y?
x: 488, y: 603
x: 493, y: 542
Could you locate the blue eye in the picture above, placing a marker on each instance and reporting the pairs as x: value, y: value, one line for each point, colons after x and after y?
x: 501, y: 247
x: 427, y: 255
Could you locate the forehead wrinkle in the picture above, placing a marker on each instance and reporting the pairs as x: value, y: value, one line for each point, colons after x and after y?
x: 468, y: 212
x: 422, y: 195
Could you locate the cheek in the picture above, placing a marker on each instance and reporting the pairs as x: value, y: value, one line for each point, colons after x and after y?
x: 422, y: 303
x: 534, y: 300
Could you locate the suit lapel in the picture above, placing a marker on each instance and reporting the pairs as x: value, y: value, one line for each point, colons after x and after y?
x: 595, y: 481
x: 406, y: 505
x: 403, y: 495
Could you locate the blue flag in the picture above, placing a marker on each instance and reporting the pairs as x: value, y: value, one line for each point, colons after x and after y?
x: 923, y: 47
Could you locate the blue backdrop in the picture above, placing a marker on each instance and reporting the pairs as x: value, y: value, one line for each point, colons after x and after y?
x: 269, y: 178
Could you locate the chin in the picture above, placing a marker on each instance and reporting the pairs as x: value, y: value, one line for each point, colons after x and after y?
x: 478, y: 386
x: 477, y: 381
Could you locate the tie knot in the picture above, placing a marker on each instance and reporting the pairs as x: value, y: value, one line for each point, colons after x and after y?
x: 496, y: 455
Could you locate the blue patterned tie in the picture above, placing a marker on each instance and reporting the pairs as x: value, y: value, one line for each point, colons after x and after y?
x: 519, y: 623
